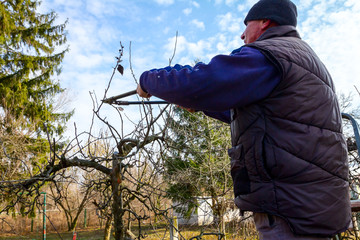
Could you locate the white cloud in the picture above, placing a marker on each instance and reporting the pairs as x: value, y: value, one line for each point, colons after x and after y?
x: 241, y: 7
x: 187, y: 11
x: 197, y: 49
x: 230, y: 23
x: 164, y: 2
x: 198, y: 24
x: 180, y: 45
x: 145, y: 57
x: 81, y: 35
x: 304, y: 4
x: 222, y: 43
x: 245, y: 6
x: 350, y: 3
x: 98, y: 8
x: 226, y: 43
x: 103, y: 9
x: 195, y: 4
x: 90, y: 60
x: 230, y: 2
x: 161, y: 16
x: 205, y: 49
x: 333, y: 37
x: 108, y: 34
x: 158, y: 18
x: 166, y: 30
x: 190, y: 50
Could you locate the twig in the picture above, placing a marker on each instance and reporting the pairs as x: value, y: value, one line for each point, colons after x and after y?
x: 53, y: 226
x: 172, y: 58
x: 121, y: 51
x: 130, y: 62
x: 357, y: 90
x: 12, y: 228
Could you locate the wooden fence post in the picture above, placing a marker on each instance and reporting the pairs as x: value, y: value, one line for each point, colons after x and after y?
x: 85, y: 218
x: 44, y: 216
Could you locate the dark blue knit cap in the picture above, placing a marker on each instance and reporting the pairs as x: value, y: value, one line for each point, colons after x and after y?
x: 283, y: 12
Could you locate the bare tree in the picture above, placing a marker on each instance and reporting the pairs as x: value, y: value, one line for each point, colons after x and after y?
x: 351, y: 113
x: 71, y: 197
x: 123, y: 187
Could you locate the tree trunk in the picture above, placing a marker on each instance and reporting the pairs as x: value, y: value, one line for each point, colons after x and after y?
x: 107, y: 231
x: 68, y: 219
x: 81, y: 207
x: 219, y: 209
x: 222, y: 226
x: 117, y: 205
x: 73, y: 225
x: 222, y: 220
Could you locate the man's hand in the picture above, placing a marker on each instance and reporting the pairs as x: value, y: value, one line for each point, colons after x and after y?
x: 141, y: 92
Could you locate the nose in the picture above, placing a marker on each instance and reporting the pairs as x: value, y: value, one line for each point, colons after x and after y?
x: 243, y: 36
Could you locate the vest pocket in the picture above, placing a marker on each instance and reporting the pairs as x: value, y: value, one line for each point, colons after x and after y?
x: 260, y: 157
x: 239, y: 172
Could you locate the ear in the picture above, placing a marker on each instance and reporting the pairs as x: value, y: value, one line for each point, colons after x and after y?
x: 265, y: 24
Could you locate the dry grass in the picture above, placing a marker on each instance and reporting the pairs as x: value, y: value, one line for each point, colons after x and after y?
x: 19, y: 228
x: 81, y: 235
x: 150, y: 232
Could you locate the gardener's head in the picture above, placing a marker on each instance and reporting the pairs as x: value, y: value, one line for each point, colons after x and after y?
x: 268, y: 13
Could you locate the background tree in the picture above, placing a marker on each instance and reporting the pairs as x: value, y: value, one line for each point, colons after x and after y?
x: 31, y: 50
x: 347, y: 106
x: 30, y: 56
x: 121, y: 184
x: 197, y: 163
x: 71, y: 196
x: 28, y: 42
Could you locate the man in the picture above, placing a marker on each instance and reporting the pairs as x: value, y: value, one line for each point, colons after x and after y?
x: 289, y: 157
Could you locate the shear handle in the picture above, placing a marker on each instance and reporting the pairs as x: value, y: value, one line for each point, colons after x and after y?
x: 114, y: 98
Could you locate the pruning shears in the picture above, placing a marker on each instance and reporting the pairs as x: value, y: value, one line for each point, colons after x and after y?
x: 115, y: 100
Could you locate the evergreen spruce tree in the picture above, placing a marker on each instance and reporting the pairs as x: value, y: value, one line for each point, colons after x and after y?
x: 31, y: 50
x: 29, y: 43
x: 197, y: 163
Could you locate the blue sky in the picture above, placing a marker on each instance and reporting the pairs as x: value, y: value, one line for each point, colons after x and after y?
x: 205, y: 28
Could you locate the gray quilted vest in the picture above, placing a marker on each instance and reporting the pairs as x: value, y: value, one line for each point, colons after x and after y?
x: 289, y: 157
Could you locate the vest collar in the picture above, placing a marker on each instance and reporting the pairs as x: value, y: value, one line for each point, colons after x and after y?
x: 279, y: 31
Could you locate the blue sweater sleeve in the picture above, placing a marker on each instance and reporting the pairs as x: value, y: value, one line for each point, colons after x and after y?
x: 222, y: 116
x: 227, y: 81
